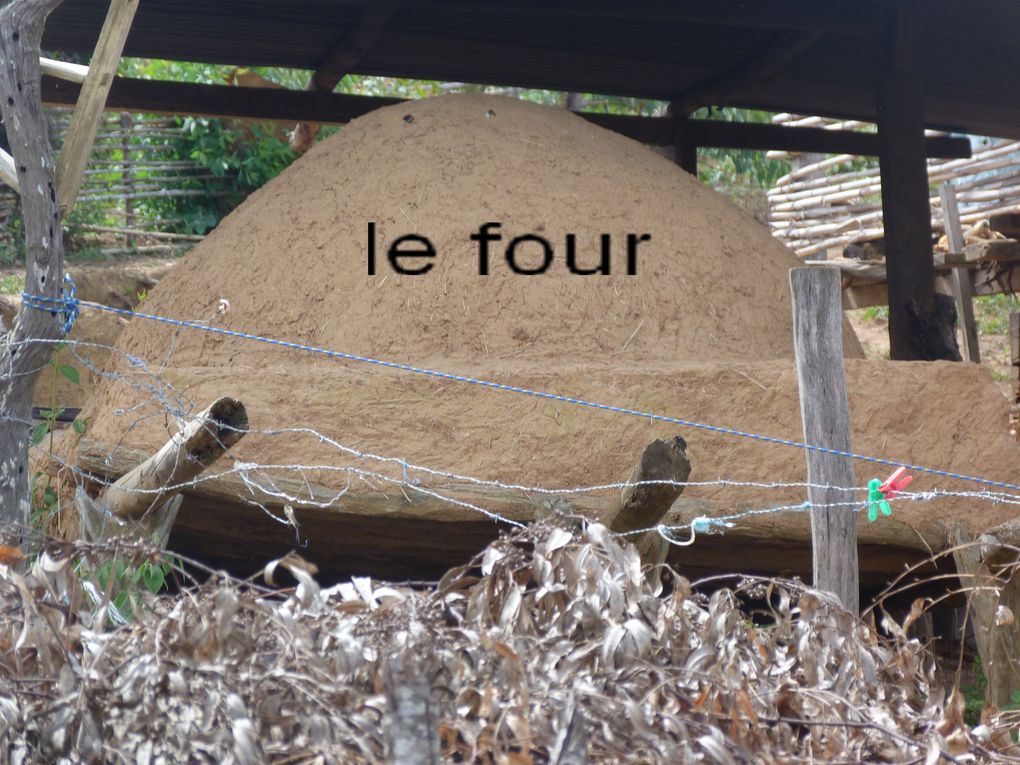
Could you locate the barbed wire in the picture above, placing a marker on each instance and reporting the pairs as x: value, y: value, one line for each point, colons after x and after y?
x: 262, y: 481
x: 69, y: 305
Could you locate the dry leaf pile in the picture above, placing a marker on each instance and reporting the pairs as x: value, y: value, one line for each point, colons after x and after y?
x: 552, y: 647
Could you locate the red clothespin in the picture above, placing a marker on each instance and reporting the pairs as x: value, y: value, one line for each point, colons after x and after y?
x: 895, y: 483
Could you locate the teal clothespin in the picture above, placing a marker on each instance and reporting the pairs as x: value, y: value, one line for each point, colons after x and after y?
x: 877, y: 500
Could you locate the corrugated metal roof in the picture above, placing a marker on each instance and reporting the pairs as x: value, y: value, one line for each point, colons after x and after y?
x: 646, y: 48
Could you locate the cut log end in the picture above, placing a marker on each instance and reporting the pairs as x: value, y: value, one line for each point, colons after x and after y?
x: 181, y: 459
x: 644, y: 506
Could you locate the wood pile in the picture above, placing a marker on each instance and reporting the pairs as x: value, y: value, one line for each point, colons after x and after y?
x: 822, y: 206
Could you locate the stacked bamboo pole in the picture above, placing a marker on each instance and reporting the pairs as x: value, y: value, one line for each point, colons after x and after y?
x: 819, y: 207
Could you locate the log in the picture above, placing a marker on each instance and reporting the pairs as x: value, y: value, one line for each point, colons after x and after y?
x: 644, y: 506
x: 7, y: 172
x: 825, y: 411
x: 182, y: 458
x: 988, y: 571
x: 63, y: 70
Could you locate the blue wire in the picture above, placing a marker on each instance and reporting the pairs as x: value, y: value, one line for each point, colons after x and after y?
x: 47, y: 304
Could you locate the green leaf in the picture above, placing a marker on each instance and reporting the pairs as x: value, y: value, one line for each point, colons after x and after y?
x: 70, y: 373
x: 153, y: 577
x: 39, y: 433
x: 79, y: 426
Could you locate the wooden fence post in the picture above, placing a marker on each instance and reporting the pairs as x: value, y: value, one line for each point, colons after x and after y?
x: 1014, y: 362
x: 25, y: 350
x: 818, y: 343
x: 127, y: 127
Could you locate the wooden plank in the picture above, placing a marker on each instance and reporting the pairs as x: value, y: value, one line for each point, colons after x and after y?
x: 765, y: 137
x: 825, y: 411
x: 963, y: 286
x: 161, y: 97
x: 765, y: 14
x: 92, y: 101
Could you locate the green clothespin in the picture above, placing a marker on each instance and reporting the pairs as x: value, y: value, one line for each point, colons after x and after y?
x: 877, y: 500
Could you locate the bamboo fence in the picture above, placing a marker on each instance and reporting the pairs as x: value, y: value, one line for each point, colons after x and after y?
x: 134, y: 163
x: 825, y: 205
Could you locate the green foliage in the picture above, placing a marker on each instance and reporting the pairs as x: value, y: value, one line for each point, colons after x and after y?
x: 992, y: 313
x: 242, y: 158
x: 12, y: 241
x: 12, y: 284
x: 126, y: 585
x: 732, y: 167
x: 974, y: 696
x: 876, y: 313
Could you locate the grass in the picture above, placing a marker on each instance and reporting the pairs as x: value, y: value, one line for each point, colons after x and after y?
x: 992, y: 313
x: 12, y: 284
x: 877, y: 313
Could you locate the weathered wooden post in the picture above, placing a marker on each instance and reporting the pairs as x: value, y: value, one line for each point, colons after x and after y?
x: 990, y: 576
x: 412, y: 726
x: 825, y: 411
x: 25, y: 350
x: 963, y: 283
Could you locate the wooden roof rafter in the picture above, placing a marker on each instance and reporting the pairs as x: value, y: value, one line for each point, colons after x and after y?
x: 154, y: 96
x: 758, y: 69
x: 339, y: 61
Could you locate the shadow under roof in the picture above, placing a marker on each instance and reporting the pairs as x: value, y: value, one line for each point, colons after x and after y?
x: 967, y: 51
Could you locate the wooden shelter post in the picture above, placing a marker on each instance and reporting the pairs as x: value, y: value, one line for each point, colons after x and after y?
x: 685, y: 146
x: 916, y: 331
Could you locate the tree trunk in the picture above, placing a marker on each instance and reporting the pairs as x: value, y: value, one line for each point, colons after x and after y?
x: 27, y: 348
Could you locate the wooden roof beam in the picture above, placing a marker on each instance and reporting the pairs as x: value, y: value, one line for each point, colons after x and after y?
x: 836, y: 16
x: 339, y: 61
x: 761, y: 68
x: 160, y: 97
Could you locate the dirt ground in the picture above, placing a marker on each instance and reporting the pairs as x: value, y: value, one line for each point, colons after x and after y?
x: 873, y: 333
